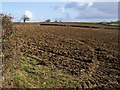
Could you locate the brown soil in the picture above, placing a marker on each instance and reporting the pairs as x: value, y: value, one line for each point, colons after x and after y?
x: 90, y: 54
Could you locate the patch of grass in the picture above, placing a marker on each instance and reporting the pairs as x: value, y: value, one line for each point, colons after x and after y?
x: 41, y: 76
x: 114, y: 24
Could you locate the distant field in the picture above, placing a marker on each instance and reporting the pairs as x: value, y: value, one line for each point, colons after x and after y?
x: 75, y: 24
x: 63, y: 56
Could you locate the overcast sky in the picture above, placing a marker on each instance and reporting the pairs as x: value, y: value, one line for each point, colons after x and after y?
x: 64, y: 11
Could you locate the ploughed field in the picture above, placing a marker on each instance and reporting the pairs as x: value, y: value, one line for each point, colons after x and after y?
x: 63, y: 56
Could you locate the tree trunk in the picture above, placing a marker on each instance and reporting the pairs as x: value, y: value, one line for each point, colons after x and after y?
x: 24, y: 20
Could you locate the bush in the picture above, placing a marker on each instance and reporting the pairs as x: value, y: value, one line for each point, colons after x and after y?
x: 7, y: 25
x: 48, y: 20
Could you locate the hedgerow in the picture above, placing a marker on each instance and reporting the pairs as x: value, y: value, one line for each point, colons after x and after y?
x: 7, y: 25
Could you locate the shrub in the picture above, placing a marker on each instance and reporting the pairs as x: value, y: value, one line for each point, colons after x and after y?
x: 48, y: 20
x: 7, y: 25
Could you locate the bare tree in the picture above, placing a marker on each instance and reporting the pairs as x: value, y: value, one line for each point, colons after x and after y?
x: 25, y: 18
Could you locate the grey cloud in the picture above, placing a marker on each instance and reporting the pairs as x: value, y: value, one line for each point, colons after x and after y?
x: 93, y: 13
x: 108, y: 7
x: 98, y: 10
x: 71, y: 5
x: 76, y: 5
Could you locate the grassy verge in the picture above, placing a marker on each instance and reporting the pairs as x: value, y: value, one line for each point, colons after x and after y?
x: 44, y: 76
